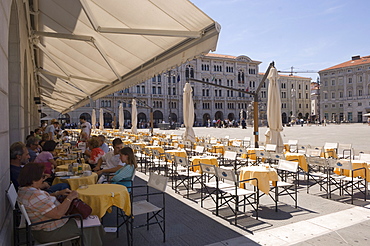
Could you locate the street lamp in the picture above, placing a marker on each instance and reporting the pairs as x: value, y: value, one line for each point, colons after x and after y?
x: 292, y: 117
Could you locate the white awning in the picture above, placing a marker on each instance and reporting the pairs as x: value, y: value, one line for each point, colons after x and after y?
x: 88, y: 49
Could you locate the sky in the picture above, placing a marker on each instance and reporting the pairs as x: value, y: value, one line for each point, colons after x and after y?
x: 309, y: 35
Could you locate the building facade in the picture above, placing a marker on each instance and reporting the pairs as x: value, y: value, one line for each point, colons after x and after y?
x: 315, y: 101
x: 345, y: 90
x: 163, y: 93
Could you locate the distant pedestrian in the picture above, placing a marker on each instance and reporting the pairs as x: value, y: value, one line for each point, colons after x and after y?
x: 244, y: 124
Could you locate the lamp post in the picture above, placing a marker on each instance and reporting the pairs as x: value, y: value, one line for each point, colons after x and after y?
x: 292, y: 117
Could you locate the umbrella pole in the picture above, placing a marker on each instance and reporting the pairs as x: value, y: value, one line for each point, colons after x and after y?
x: 255, y: 119
x: 151, y: 122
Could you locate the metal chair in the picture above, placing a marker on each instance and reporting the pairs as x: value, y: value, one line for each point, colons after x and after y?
x: 155, y: 212
x: 30, y: 241
x: 232, y: 195
x: 184, y: 174
x: 288, y: 174
x: 347, y: 184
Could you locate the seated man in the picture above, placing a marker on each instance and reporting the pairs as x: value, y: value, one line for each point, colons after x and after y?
x: 103, y: 145
x: 112, y: 159
x: 33, y: 147
x: 18, y: 157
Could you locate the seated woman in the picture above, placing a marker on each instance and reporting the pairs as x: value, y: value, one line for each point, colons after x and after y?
x: 45, y: 137
x: 95, y: 152
x: 124, y: 175
x: 65, y: 137
x: 42, y: 206
x: 47, y: 157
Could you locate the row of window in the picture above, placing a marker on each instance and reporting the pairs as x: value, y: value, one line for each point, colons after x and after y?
x: 284, y: 95
x: 229, y: 69
x: 359, y: 104
x: 349, y: 81
x: 173, y: 78
x: 230, y: 105
x: 105, y: 103
x: 283, y: 86
x: 341, y: 94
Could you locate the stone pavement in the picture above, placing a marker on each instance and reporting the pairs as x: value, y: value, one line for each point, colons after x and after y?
x: 316, y: 221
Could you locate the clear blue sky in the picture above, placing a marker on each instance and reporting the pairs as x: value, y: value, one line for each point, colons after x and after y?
x: 305, y: 34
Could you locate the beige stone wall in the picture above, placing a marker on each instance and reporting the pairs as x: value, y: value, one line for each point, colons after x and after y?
x: 18, y: 111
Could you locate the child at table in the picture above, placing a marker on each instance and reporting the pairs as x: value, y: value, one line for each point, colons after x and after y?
x: 95, y: 152
x: 126, y: 174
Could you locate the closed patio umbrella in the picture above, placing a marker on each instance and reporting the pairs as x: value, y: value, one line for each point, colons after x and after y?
x: 188, y: 111
x: 134, y: 117
x: 101, y: 119
x: 273, y: 135
x: 93, y: 119
x: 121, y: 117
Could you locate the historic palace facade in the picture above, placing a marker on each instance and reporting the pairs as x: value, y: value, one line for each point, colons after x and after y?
x: 345, y: 90
x: 163, y: 94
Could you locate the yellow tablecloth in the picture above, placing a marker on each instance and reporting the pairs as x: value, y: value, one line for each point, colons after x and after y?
x: 218, y: 148
x: 329, y: 153
x: 74, y: 183
x: 159, y: 148
x: 101, y: 197
x: 65, y: 162
x: 65, y: 167
x: 355, y: 165
x: 127, y: 142
x: 300, y: 158
x: 179, y: 153
x: 251, y: 153
x: 176, y: 141
x: 142, y: 145
x: 195, y: 160
x: 263, y: 175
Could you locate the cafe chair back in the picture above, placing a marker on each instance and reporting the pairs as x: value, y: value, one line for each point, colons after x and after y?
x: 18, y: 219
x: 318, y: 172
x: 143, y: 204
x: 293, y: 145
x: 231, y: 195
x: 350, y: 179
x: 30, y: 241
x: 184, y: 175
x: 345, y: 151
x: 287, y: 183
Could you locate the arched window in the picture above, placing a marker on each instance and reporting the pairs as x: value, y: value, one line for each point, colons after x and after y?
x: 153, y: 79
x: 187, y: 73
x: 191, y: 73
x: 159, y: 78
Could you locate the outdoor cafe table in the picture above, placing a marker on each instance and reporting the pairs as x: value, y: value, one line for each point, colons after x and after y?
x: 101, y: 197
x: 263, y: 174
x: 65, y: 167
x: 196, y: 160
x: 76, y: 181
x: 300, y: 158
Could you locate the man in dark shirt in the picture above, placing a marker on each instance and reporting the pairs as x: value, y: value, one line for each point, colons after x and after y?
x: 18, y: 156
